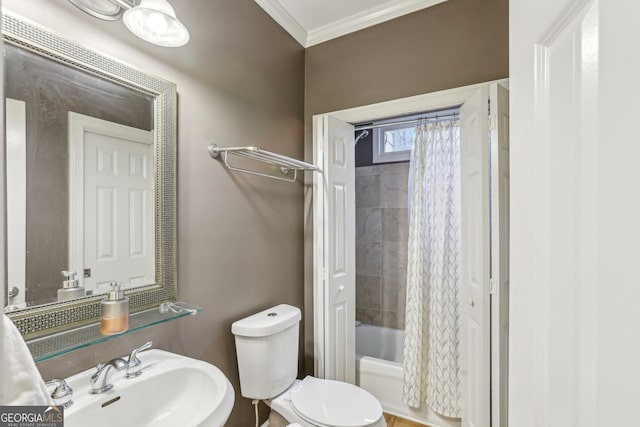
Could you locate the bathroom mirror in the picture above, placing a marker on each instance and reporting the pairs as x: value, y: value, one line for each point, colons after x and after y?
x: 90, y: 148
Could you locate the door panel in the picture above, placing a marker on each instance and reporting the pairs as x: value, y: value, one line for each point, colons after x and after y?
x: 117, y: 249
x: 574, y: 214
x: 338, y: 284
x: 16, y: 194
x: 475, y: 261
x: 111, y: 190
x: 499, y: 102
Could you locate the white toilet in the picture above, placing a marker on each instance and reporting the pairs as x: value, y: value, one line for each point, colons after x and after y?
x: 267, y: 347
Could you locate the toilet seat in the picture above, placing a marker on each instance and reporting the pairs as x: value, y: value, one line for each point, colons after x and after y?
x: 327, y: 403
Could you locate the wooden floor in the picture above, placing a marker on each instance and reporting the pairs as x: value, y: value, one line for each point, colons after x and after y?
x: 393, y: 421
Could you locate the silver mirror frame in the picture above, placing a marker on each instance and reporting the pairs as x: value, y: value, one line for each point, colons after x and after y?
x: 55, y: 317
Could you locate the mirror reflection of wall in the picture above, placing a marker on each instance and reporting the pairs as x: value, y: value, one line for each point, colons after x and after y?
x: 49, y: 91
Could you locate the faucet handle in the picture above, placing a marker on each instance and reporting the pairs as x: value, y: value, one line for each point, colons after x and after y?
x: 101, y: 381
x: 134, y: 368
x: 62, y: 394
x: 69, y: 274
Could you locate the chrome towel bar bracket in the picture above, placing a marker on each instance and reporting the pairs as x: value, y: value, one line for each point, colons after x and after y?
x: 288, y: 167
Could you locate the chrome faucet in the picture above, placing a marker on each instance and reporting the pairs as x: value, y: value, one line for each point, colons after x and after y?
x: 101, y: 380
x: 62, y: 394
x: 134, y: 366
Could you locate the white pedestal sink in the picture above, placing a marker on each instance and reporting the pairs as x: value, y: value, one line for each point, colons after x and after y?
x: 172, y: 391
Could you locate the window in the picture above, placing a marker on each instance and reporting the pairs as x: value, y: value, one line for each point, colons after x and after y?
x: 393, y: 143
x: 393, y: 138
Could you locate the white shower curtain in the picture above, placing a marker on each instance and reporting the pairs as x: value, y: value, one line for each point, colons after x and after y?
x: 432, y: 333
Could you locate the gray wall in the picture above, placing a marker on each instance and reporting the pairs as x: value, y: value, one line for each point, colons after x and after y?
x: 453, y: 44
x: 456, y: 43
x: 240, y: 82
x: 382, y: 229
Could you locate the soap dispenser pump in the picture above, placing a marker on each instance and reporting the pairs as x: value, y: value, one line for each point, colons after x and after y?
x: 115, y: 311
x: 70, y: 287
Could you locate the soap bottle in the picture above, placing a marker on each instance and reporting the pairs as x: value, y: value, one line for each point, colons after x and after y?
x: 70, y: 287
x: 115, y: 311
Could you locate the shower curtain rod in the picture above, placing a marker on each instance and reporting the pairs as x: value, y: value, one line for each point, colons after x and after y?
x: 407, y: 122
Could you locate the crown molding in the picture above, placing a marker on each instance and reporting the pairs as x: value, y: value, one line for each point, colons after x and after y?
x: 349, y: 24
x: 365, y: 19
x: 284, y: 19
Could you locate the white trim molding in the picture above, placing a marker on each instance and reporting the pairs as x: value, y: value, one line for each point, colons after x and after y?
x: 285, y: 20
x: 349, y: 24
x: 365, y: 19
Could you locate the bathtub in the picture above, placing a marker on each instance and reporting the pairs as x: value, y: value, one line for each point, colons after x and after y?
x: 379, y: 371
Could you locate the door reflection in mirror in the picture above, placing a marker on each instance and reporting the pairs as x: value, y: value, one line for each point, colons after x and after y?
x: 39, y: 211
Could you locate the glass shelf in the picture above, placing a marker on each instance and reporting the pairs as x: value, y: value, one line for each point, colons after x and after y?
x: 65, y: 342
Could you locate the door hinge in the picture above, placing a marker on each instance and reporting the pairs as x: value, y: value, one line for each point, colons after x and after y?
x: 493, y: 289
x: 491, y: 122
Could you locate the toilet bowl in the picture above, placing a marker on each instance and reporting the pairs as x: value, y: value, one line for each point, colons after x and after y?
x: 267, y: 351
x: 314, y: 402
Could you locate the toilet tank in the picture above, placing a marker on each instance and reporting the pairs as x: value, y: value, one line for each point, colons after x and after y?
x: 267, y: 348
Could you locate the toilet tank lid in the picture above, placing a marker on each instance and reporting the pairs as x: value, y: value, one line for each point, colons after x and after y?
x: 267, y: 322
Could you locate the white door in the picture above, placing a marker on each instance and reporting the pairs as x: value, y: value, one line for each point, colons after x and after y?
x: 499, y: 106
x: 334, y: 218
x: 575, y: 213
x: 475, y: 314
x: 113, y: 183
x: 16, y: 176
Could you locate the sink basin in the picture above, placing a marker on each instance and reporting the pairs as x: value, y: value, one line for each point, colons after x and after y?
x: 172, y: 391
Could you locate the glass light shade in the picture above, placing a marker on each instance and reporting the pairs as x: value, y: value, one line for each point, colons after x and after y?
x: 102, y: 9
x: 155, y: 21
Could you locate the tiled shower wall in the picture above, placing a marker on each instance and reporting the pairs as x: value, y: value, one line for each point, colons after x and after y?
x: 381, y: 243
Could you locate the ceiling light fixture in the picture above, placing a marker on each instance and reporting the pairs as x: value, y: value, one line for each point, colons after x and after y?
x: 101, y: 9
x: 155, y: 21
x: 152, y: 20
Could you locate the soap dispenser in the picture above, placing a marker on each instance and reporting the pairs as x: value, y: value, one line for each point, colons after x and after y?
x: 70, y: 287
x: 115, y: 311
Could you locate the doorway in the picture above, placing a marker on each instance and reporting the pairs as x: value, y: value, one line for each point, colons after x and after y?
x: 484, y: 302
x: 111, y: 186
